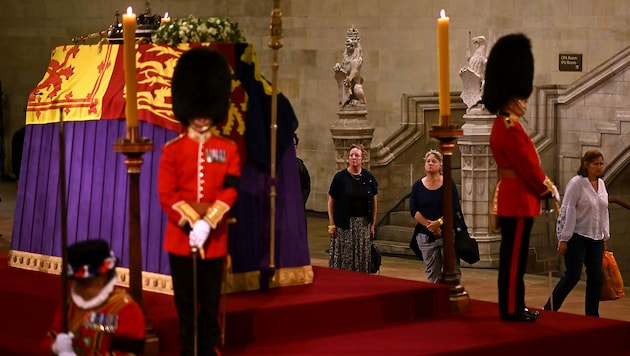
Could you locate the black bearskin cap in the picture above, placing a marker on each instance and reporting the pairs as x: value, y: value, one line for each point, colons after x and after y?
x: 90, y: 258
x: 201, y: 86
x: 509, y: 71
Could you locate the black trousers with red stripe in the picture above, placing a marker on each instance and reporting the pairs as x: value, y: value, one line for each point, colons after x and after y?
x: 209, y: 278
x: 515, y: 233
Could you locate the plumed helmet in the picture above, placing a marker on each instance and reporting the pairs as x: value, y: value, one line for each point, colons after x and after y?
x: 90, y: 258
x: 509, y: 71
x: 201, y: 86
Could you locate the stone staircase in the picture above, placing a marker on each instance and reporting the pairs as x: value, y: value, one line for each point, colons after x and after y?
x: 395, y: 230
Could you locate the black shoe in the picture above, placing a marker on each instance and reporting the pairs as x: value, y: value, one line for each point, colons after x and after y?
x: 523, y: 316
x: 535, y: 313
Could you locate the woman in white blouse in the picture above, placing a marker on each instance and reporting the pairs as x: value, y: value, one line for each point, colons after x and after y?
x: 583, y: 231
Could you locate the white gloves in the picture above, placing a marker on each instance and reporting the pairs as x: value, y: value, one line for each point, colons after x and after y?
x: 556, y: 196
x: 63, y: 345
x: 554, y: 193
x: 199, y: 233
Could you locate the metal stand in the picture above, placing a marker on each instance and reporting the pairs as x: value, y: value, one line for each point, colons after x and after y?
x: 133, y: 147
x: 459, y: 301
x: 276, y: 33
x: 195, y: 255
x: 550, y: 243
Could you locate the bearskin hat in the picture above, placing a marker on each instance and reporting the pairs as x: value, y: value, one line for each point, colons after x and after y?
x: 201, y: 86
x: 509, y: 71
x: 90, y: 258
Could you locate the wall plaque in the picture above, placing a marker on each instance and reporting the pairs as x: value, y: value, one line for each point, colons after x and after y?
x: 570, y: 62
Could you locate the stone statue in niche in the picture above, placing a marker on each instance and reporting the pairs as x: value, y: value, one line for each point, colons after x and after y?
x: 348, y: 72
x: 474, y: 73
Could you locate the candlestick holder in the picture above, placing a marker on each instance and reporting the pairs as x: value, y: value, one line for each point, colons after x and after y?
x: 133, y: 147
x: 447, y: 135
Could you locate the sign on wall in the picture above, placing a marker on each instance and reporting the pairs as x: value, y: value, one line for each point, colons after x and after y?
x: 570, y: 62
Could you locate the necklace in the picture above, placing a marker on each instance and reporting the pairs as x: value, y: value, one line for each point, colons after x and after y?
x: 355, y: 176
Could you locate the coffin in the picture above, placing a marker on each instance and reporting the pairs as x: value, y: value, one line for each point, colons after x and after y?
x: 84, y: 84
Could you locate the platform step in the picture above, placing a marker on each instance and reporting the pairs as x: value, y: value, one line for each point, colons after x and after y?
x: 356, y: 300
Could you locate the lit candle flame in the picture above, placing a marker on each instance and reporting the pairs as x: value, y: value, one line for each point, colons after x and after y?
x: 443, y: 70
x: 165, y: 19
x: 131, y: 83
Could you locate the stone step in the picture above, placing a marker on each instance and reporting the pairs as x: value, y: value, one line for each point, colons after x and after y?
x: 401, y: 218
x: 394, y: 248
x: 395, y: 233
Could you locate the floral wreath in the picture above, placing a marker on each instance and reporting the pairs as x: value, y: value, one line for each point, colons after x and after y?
x: 192, y: 30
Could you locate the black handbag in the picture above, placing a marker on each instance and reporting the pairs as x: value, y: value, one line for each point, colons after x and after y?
x: 375, y: 259
x: 413, y: 245
x: 466, y: 248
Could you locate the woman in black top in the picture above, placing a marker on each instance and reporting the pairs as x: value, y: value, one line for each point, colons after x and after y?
x: 426, y: 206
x: 352, y: 205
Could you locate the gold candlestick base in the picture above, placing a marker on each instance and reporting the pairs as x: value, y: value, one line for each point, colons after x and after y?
x: 459, y: 301
x: 133, y: 148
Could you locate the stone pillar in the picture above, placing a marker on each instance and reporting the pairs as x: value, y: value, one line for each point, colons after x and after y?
x: 479, y: 177
x: 479, y: 171
x: 351, y: 127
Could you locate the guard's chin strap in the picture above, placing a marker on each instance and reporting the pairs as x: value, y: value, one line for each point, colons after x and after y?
x: 200, y: 129
x: 520, y: 105
x: 98, y: 299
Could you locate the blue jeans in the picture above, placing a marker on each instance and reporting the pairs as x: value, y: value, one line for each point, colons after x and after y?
x: 581, y: 251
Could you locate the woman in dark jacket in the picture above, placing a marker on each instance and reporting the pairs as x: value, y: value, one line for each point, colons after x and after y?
x: 426, y: 203
x: 352, y: 206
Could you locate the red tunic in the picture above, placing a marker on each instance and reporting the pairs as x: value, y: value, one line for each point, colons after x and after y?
x: 519, y: 190
x: 198, y: 169
x: 120, y: 317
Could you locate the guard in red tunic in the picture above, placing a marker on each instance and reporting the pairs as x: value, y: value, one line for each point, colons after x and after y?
x: 522, y: 183
x: 102, y: 319
x: 198, y: 182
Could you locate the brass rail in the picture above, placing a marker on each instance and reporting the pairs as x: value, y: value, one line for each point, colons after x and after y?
x: 621, y: 203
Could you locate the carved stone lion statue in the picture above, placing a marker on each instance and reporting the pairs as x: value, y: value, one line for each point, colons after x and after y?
x: 348, y: 72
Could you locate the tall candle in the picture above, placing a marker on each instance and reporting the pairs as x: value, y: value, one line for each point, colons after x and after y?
x: 443, y: 67
x: 131, y: 83
x: 165, y: 19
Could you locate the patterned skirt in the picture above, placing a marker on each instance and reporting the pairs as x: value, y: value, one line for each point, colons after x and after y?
x: 350, y: 248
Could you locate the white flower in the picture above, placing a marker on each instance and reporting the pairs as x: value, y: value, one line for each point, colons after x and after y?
x: 191, y: 29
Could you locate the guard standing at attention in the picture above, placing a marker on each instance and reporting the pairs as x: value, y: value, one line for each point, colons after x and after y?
x: 522, y: 183
x: 198, y: 181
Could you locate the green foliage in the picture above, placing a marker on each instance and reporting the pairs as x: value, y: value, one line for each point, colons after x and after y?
x: 192, y: 30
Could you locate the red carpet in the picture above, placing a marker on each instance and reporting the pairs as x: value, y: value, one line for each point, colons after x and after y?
x: 476, y: 333
x: 341, y: 313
